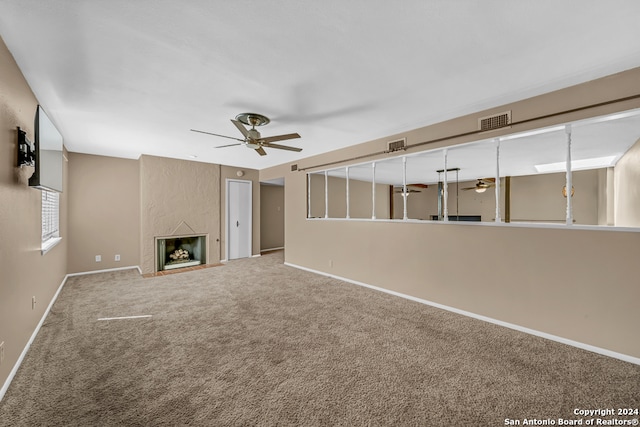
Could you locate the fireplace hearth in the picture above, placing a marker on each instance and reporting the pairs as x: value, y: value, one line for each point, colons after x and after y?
x: 180, y: 252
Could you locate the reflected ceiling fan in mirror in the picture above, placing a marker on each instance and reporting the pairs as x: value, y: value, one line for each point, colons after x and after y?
x: 411, y: 188
x: 252, y: 138
x: 409, y: 191
x: 482, y: 185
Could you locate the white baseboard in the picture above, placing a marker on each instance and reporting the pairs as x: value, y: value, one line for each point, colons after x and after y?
x: 583, y: 346
x: 272, y: 249
x: 12, y: 374
x: 222, y: 261
x: 15, y: 368
x: 84, y: 273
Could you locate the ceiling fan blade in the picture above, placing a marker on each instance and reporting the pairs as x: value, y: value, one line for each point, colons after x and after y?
x: 281, y: 147
x: 409, y: 190
x: 279, y: 138
x: 261, y: 151
x: 230, y: 145
x: 241, y: 128
x: 215, y: 134
x: 468, y: 188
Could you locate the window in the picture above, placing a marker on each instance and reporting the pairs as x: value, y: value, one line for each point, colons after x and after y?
x: 50, y: 220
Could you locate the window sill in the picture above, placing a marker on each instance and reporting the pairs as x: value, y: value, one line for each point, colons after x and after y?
x: 49, y: 244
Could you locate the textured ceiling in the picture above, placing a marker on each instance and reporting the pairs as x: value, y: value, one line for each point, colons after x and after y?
x: 124, y: 78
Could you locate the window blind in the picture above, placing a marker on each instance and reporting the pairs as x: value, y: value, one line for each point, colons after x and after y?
x: 50, y: 215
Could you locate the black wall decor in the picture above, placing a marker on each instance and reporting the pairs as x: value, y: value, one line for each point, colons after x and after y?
x: 26, y: 153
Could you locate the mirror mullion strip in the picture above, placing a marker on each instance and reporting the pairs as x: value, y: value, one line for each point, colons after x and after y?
x: 326, y: 194
x: 308, y: 195
x: 445, y: 191
x: 569, y: 178
x: 404, y: 187
x: 347, y: 173
x: 373, y: 191
x: 497, y: 187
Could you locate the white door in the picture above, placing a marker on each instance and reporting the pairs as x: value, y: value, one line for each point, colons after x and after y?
x: 239, y: 218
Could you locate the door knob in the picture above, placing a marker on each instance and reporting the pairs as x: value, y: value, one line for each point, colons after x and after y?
x: 237, y: 224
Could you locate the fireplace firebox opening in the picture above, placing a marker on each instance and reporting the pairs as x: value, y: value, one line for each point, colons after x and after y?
x: 180, y: 252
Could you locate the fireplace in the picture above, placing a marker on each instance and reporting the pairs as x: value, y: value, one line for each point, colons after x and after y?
x: 180, y: 252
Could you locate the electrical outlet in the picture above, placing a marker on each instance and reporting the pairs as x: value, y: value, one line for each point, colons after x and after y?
x: 1, y: 352
x: 98, y: 258
x: 330, y: 263
x: 33, y: 303
x: 117, y: 257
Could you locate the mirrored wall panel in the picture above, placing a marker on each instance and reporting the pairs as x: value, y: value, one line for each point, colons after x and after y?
x: 519, y: 178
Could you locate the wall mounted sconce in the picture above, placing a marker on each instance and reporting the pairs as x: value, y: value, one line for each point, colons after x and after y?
x: 26, y: 152
x: 240, y: 173
x: 564, y: 191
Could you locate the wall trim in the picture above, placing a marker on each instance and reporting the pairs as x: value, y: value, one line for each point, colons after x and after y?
x: 84, y: 273
x: 271, y: 249
x: 512, y: 224
x: 15, y: 368
x: 13, y: 372
x: 583, y: 346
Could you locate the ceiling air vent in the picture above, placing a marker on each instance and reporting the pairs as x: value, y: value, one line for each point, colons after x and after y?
x: 496, y: 121
x: 294, y: 167
x: 400, y: 144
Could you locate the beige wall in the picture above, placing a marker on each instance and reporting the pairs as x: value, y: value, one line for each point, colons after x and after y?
x: 178, y: 197
x: 271, y: 216
x: 104, y: 212
x: 230, y: 172
x: 24, y: 271
x: 159, y: 194
x: 574, y: 283
x: 627, y: 188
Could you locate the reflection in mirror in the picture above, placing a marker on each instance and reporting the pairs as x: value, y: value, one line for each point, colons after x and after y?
x: 534, y: 197
x: 422, y: 177
x: 337, y: 193
x: 389, y: 188
x: 316, y: 195
x: 525, y: 172
x: 360, y: 191
x: 472, y: 182
x: 599, y: 154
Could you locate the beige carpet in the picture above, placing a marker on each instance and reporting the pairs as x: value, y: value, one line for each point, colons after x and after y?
x: 257, y: 343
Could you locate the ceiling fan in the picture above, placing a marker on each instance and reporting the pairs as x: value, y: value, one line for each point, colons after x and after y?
x: 401, y: 191
x: 411, y: 188
x: 252, y: 138
x: 482, y: 185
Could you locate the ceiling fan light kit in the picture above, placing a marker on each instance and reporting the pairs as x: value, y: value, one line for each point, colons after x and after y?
x: 252, y: 138
x: 482, y: 185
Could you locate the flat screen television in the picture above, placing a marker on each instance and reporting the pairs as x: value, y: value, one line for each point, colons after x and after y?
x: 48, y: 154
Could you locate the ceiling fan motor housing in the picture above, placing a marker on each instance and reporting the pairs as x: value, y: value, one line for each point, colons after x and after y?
x: 253, y: 134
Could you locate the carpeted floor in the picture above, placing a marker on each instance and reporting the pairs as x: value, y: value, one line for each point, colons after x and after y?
x: 255, y: 342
